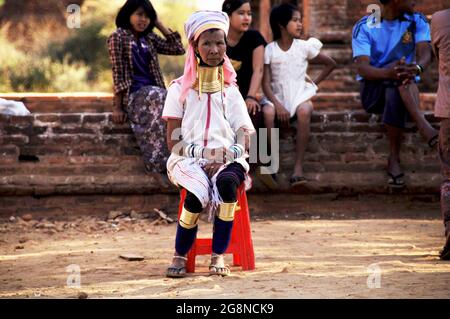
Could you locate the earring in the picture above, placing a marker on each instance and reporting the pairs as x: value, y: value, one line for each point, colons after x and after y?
x: 197, y: 57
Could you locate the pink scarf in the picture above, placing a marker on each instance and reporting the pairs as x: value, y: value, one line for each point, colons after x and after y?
x: 196, y: 22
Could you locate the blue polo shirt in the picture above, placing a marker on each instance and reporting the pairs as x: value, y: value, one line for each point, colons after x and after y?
x: 392, y: 40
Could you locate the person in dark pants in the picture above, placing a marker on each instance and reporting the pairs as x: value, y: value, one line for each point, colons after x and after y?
x: 139, y: 90
x: 390, y: 54
x: 440, y: 30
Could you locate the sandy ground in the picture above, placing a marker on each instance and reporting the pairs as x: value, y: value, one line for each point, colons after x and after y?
x: 294, y: 259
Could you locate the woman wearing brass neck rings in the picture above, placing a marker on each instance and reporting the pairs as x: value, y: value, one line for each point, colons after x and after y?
x: 208, y: 129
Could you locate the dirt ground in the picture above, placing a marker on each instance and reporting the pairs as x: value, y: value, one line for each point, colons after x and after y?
x: 313, y: 258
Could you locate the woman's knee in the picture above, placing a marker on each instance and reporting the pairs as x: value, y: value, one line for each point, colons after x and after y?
x: 304, y: 111
x: 227, y: 187
x: 269, y: 112
x: 192, y: 203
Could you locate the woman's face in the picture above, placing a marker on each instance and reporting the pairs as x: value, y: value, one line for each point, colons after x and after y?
x: 241, y: 18
x: 212, y: 47
x: 139, y: 20
x: 294, y: 27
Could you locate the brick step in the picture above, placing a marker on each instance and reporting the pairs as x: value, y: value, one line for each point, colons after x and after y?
x: 102, y: 102
x: 84, y: 153
x: 45, y: 184
x: 350, y: 162
x: 60, y: 125
x: 320, y: 182
x: 134, y: 168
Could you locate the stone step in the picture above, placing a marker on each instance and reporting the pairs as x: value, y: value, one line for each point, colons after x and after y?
x: 319, y: 182
x: 102, y: 102
x: 52, y: 154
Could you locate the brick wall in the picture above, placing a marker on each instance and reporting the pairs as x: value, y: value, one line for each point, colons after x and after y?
x: 52, y: 155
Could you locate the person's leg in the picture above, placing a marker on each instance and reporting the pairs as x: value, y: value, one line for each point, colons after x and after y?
x: 186, y: 234
x: 144, y: 112
x: 304, y: 112
x: 269, y: 180
x: 444, y: 154
x: 269, y: 120
x: 411, y: 99
x: 395, y: 115
x: 395, y: 135
x: 228, y: 182
x: 257, y: 121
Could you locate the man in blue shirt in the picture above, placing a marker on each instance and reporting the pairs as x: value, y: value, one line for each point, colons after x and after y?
x: 390, y: 53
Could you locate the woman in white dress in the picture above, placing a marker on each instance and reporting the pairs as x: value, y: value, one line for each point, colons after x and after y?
x: 285, y: 81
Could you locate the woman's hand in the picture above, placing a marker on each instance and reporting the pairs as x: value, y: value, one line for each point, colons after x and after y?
x: 215, y: 155
x: 118, y: 116
x: 212, y: 168
x: 252, y: 106
x: 162, y: 28
x: 282, y: 114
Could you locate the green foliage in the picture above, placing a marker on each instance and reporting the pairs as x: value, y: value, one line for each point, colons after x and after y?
x: 80, y: 61
x: 86, y: 45
x: 172, y: 66
x: 20, y: 72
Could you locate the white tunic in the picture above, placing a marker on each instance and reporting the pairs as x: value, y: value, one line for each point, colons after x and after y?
x: 208, y: 122
x: 288, y: 70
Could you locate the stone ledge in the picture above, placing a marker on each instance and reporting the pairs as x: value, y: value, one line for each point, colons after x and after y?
x: 323, y: 182
x: 47, y: 154
x: 277, y: 206
x: 102, y: 102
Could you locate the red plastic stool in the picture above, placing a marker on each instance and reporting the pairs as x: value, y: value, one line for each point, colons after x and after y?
x: 241, y: 244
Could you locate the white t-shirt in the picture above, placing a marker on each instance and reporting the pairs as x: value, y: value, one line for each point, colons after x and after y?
x: 206, y: 121
x: 288, y: 70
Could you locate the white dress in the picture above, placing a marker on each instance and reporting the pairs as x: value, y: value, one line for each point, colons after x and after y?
x: 289, y: 79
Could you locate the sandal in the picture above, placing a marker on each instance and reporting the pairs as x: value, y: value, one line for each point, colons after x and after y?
x: 219, y: 267
x: 396, y: 181
x: 433, y: 141
x: 297, y: 180
x: 268, y: 180
x: 177, y: 272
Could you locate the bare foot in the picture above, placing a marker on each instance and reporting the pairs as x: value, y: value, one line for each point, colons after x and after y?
x: 430, y: 135
x: 394, y: 166
x: 396, y: 177
x: 298, y: 170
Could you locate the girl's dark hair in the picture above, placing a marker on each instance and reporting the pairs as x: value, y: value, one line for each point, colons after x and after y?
x: 123, y: 17
x: 280, y: 16
x: 229, y: 6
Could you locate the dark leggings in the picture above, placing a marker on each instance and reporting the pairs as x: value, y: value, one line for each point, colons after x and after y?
x: 228, y: 182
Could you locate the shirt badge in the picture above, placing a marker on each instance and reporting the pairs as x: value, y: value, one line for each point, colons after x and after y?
x: 407, y: 37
